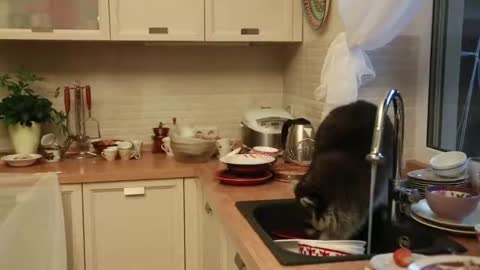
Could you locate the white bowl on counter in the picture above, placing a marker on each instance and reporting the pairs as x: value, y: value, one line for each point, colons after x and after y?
x: 21, y: 160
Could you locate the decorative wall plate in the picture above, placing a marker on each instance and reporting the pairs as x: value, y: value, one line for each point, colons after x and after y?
x: 316, y: 12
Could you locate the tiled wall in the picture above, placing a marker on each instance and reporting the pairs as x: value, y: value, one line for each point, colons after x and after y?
x: 135, y: 86
x: 395, y: 64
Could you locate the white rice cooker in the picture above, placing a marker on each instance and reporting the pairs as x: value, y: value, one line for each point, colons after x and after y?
x: 263, y: 127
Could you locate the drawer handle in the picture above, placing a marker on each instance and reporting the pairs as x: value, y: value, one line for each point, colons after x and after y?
x: 239, y: 262
x: 158, y: 30
x: 42, y: 29
x: 250, y: 31
x: 134, y: 191
x: 208, y: 209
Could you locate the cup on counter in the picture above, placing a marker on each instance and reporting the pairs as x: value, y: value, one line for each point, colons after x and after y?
x: 167, y: 147
x: 110, y: 153
x: 137, y: 145
x: 51, y: 155
x: 224, y: 146
x: 126, y: 154
x: 126, y: 150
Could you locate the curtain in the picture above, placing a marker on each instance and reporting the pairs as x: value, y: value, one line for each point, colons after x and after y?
x: 32, y: 226
x: 369, y: 24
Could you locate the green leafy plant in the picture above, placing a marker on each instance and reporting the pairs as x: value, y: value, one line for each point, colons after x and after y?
x: 23, y: 105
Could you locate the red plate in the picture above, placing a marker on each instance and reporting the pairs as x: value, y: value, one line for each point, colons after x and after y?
x: 228, y: 178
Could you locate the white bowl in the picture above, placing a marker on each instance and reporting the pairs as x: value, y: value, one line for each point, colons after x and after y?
x: 452, y: 172
x: 448, y: 160
x: 331, y: 248
x: 21, y: 160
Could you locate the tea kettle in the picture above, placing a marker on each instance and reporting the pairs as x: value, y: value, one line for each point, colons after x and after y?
x: 298, y: 142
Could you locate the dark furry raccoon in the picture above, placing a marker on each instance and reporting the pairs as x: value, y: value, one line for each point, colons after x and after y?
x: 335, y: 191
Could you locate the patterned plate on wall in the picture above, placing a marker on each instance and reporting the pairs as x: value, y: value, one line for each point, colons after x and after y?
x: 316, y: 12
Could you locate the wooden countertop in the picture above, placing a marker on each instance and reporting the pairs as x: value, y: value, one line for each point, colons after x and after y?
x: 95, y: 170
x: 222, y: 198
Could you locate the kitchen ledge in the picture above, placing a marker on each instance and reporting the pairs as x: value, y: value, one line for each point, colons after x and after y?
x: 221, y: 197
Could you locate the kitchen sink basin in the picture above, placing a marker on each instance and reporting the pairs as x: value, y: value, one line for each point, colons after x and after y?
x: 268, y: 218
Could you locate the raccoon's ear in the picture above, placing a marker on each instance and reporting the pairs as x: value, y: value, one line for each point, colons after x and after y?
x: 308, y: 202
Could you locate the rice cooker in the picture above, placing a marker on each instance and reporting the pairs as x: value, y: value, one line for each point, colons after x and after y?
x: 263, y: 127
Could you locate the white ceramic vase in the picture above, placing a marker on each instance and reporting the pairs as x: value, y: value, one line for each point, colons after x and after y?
x: 25, y: 139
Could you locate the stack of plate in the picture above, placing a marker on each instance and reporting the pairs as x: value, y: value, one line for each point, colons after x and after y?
x: 422, y: 213
x: 421, y: 179
x: 246, y: 169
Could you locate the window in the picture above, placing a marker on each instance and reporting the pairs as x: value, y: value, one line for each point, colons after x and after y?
x: 454, y: 98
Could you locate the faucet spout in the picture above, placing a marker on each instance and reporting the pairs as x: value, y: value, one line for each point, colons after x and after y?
x: 375, y: 157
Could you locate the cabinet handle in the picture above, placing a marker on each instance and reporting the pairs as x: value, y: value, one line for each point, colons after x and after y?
x: 250, y: 31
x: 42, y: 29
x: 134, y: 191
x: 158, y: 30
x: 208, y: 209
x: 239, y: 262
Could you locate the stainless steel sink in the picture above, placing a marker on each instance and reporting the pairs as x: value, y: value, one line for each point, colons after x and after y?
x: 269, y: 217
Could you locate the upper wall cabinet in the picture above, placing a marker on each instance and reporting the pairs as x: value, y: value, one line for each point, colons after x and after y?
x: 54, y: 19
x: 253, y: 20
x: 157, y: 20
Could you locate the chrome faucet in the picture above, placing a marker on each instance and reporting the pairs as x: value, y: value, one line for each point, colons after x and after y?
x: 375, y: 157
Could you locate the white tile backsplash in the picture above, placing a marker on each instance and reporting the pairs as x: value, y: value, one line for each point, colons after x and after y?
x: 136, y: 86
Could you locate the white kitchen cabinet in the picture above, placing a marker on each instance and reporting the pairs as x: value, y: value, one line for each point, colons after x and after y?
x: 157, y: 20
x: 54, y: 20
x: 215, y: 255
x: 253, y: 20
x: 73, y: 215
x: 134, y: 225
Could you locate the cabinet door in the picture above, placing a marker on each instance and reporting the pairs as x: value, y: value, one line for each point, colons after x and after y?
x: 214, y: 242
x: 157, y: 20
x: 134, y: 225
x: 54, y: 19
x: 252, y: 20
x: 73, y: 214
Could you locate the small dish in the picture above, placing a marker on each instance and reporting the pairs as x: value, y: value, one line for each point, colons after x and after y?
x: 455, y: 203
x: 21, y: 160
x: 446, y: 262
x: 385, y: 261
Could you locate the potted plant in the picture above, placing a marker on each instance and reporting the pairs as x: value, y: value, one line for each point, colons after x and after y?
x: 24, y: 112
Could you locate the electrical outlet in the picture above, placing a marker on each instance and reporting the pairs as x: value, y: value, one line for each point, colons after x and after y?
x: 206, y: 131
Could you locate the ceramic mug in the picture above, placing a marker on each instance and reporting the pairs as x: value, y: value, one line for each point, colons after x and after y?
x: 137, y: 145
x: 166, y: 147
x: 51, y: 155
x: 126, y: 154
x: 224, y: 146
x: 125, y: 145
x: 110, y: 153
